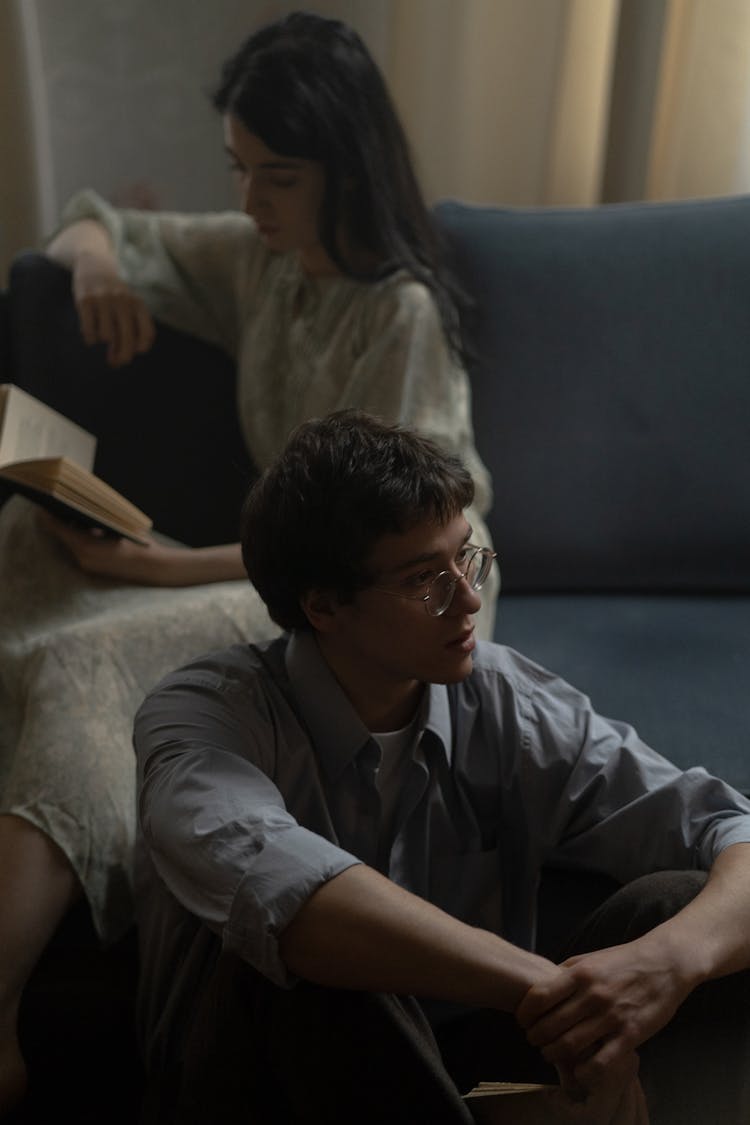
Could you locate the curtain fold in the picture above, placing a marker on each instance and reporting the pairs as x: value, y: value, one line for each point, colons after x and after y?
x: 701, y: 137
x: 574, y: 101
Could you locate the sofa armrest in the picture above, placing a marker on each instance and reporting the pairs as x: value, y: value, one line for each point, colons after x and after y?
x: 166, y: 424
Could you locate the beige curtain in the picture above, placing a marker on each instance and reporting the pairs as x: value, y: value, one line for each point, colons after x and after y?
x: 574, y: 101
x: 701, y: 135
x: 21, y: 202
x: 506, y: 100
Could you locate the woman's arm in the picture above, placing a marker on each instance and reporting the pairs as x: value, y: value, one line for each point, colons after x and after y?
x: 157, y: 564
x: 108, y: 310
x: 196, y: 273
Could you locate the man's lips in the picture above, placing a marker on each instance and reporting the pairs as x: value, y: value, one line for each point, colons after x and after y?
x: 465, y: 642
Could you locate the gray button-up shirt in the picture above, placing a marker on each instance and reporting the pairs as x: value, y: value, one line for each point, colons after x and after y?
x: 257, y: 785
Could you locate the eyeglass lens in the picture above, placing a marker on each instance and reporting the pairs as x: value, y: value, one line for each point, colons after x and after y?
x: 444, y: 585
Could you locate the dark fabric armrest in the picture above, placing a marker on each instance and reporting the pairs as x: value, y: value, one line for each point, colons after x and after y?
x: 168, y: 436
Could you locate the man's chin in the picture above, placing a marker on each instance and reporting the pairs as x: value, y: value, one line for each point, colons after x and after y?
x: 460, y: 672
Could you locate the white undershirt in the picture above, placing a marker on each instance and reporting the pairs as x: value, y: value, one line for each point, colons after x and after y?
x: 396, y: 749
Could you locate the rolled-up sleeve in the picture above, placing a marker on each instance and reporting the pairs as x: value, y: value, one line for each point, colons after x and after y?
x: 604, y: 798
x: 216, y: 826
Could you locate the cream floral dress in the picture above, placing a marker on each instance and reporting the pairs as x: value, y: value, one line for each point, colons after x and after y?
x: 78, y: 654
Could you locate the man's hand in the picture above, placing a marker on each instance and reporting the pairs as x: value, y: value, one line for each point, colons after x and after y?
x: 602, y: 1006
x: 617, y: 1099
x: 109, y: 311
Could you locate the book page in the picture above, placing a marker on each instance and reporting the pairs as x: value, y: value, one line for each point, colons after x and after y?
x: 514, y: 1103
x: 29, y: 429
x: 75, y: 495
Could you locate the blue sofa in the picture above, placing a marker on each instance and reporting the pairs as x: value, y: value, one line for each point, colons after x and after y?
x: 610, y: 369
x: 611, y: 384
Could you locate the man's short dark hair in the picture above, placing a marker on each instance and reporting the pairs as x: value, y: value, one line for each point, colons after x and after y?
x: 312, y: 519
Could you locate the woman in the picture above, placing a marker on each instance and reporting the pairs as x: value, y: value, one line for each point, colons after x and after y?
x: 329, y: 293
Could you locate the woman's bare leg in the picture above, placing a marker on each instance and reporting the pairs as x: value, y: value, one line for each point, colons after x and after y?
x: 37, y: 885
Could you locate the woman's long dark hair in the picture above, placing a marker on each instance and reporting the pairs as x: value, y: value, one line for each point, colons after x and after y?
x: 308, y: 87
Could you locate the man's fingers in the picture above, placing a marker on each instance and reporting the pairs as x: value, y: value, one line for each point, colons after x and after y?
x: 577, y: 1013
x: 628, y: 1107
x: 569, y: 1083
x: 578, y: 1044
x: 618, y: 1101
x: 542, y: 998
x: 610, y: 1057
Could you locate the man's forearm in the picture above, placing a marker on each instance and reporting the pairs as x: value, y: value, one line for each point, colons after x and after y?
x: 612, y: 1000
x: 361, y: 931
x: 710, y: 937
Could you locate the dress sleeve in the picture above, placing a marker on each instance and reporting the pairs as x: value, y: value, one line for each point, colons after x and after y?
x: 216, y: 827
x: 196, y: 273
x: 407, y: 373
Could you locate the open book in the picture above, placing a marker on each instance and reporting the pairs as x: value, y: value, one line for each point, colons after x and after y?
x: 514, y: 1103
x: 48, y: 458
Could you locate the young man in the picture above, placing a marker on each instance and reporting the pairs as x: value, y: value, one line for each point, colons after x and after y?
x: 357, y: 814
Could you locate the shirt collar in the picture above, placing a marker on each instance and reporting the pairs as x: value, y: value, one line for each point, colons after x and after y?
x: 335, y: 728
x: 437, y: 716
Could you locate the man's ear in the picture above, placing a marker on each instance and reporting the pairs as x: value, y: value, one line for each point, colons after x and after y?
x: 319, y: 607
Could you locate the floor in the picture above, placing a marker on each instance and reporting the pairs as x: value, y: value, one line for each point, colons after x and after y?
x: 77, y: 1032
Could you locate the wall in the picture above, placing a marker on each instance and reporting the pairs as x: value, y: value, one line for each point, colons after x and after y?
x: 115, y: 96
x: 19, y: 205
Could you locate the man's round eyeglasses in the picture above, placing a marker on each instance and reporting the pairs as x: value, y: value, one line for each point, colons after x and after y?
x: 439, y: 591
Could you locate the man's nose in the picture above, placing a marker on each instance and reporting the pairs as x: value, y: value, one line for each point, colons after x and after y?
x: 465, y: 599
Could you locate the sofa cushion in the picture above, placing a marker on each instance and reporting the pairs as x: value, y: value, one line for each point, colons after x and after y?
x: 611, y: 386
x: 674, y: 666
x: 168, y: 436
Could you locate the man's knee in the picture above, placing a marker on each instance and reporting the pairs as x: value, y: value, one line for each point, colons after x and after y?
x: 638, y: 907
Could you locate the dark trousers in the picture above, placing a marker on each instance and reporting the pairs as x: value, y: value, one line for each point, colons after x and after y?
x: 255, y: 1054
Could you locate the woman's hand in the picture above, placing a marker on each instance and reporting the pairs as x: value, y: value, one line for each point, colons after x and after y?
x: 109, y: 557
x: 109, y: 311
x: 153, y: 564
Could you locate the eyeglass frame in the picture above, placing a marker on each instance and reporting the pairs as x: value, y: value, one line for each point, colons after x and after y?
x: 486, y: 553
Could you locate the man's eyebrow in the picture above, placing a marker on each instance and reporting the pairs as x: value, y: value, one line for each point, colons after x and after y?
x: 427, y: 556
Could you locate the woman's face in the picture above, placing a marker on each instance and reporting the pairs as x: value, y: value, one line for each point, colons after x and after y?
x: 282, y: 193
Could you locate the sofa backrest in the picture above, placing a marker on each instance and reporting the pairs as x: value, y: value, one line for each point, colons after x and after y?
x: 611, y: 390
x: 166, y: 424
